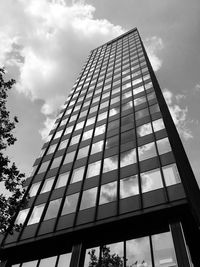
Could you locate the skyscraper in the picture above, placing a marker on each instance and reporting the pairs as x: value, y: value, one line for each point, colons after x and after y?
x: 113, y: 173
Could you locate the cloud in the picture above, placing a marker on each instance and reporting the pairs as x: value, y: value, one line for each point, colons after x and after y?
x: 153, y: 46
x: 179, y: 115
x: 51, y: 38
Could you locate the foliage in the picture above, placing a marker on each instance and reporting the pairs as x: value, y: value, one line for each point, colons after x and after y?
x: 10, y: 176
x: 106, y: 260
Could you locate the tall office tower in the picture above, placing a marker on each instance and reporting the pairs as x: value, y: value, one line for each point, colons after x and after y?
x: 113, y: 183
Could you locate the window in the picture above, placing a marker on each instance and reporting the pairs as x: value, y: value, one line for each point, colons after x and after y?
x: 93, y: 169
x: 47, y: 185
x: 115, y: 100
x: 147, y: 151
x: 97, y: 147
x: 104, y: 105
x: 28, y: 264
x: 75, y: 139
x: 63, y: 144
x: 34, y: 189
x: 108, y: 193
x: 83, y: 152
x: 129, y: 186
x: 90, y: 121
x: 70, y: 204
x: 36, y: 214
x: 127, y: 105
x: 138, y: 90
x: 141, y: 113
x: 163, y: 146
x: 171, y: 175
x: 155, y: 108
x: 138, y: 251
x: 68, y: 130
x: 144, y: 129
x: 112, y: 142
x: 51, y: 261
x: 56, y: 162
x: 62, y: 180
x: 128, y: 158
x: 52, y: 209
x: 163, y: 248
x: 88, y: 198
x: 77, y: 174
x: 100, y: 130
x: 128, y: 136
x: 151, y: 180
x: 43, y: 166
x: 79, y: 125
x: 158, y: 125
x: 110, y: 164
x: 139, y: 100
x: 21, y: 217
x: 58, y: 134
x: 102, y: 116
x: 51, y: 149
x: 87, y: 135
x: 69, y: 157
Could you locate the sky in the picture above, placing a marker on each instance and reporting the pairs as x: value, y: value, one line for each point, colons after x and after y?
x: 45, y: 43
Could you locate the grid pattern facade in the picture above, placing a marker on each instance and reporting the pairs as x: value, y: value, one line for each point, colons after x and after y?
x: 109, y: 156
x: 109, y: 142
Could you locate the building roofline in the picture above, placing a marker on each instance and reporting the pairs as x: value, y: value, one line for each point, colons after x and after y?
x: 116, y: 38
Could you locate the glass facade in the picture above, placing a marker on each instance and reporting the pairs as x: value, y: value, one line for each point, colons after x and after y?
x: 108, y: 156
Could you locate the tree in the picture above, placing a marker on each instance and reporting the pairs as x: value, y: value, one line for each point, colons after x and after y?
x: 106, y: 260
x: 10, y: 176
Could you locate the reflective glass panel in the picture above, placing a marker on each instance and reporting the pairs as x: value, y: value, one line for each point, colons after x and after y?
x: 97, y: 147
x: 158, y: 125
x: 64, y: 260
x: 147, y: 151
x: 79, y: 125
x: 62, y: 180
x: 93, y: 169
x: 108, y: 193
x: 128, y: 136
x: 102, y: 116
x: 83, y: 152
x: 90, y: 121
x: 77, y: 174
x: 30, y: 264
x: 100, y: 130
x: 63, y: 144
x: 163, y: 250
x: 110, y: 163
x: 163, y: 146
x: 52, y: 209
x: 144, y: 129
x: 34, y: 188
x: 127, y: 158
x: 70, y: 204
x: 155, y: 108
x: 129, y: 186
x: 138, y: 90
x: 56, y: 162
x: 141, y: 113
x: 69, y: 157
x: 151, y: 180
x: 36, y: 214
x: 75, y: 139
x: 112, y: 142
x: 171, y: 175
x: 51, y: 149
x: 88, y: 198
x: 113, y: 111
x: 48, y: 262
x: 88, y: 257
x: 43, y: 167
x: 117, y: 249
x: 21, y: 217
x: 113, y: 125
x: 47, y: 185
x: 138, y: 252
x: 68, y: 130
x: 127, y: 105
x: 87, y: 135
x: 139, y: 100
